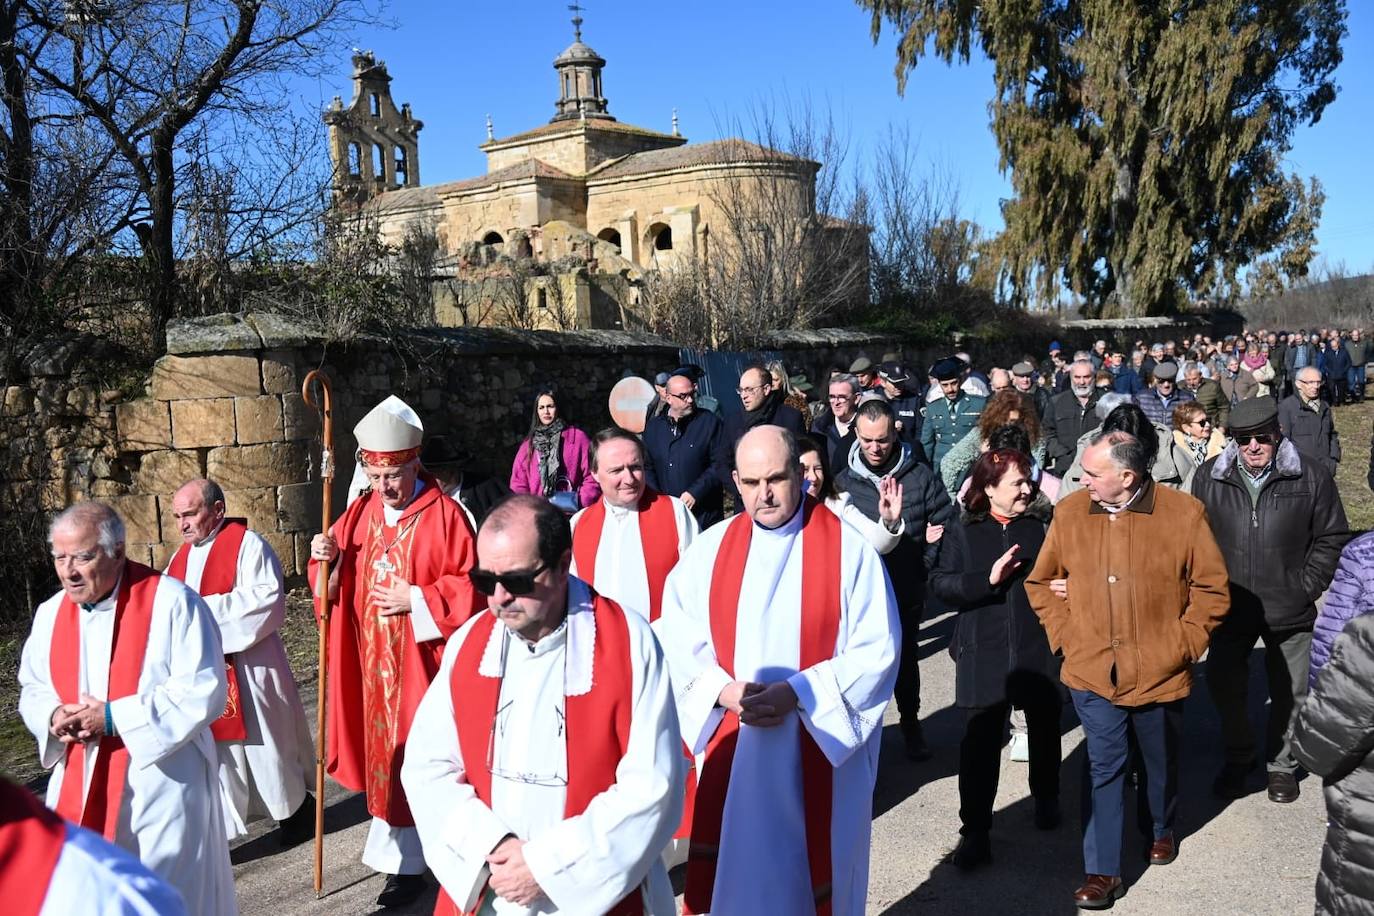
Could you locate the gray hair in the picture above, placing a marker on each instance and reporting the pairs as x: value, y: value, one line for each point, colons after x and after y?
x: 1191, y: 366
x: 210, y: 492
x: 108, y: 525
x: 1109, y: 402
x: 1083, y: 356
x: 1127, y: 452
x: 849, y: 379
x: 1084, y: 361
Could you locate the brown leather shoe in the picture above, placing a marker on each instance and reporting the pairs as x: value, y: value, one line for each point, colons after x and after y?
x: 1283, y: 788
x: 1163, y: 850
x: 1098, y: 892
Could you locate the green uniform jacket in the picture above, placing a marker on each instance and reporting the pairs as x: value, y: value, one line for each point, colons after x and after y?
x: 946, y: 423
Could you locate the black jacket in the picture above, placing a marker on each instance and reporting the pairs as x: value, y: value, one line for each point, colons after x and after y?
x: 687, y: 456
x: 772, y: 412
x: 997, y: 633
x: 824, y: 425
x: 907, y: 411
x: 924, y: 500
x: 1312, y: 431
x: 1281, y: 552
x: 1064, y: 422
x: 1332, y: 736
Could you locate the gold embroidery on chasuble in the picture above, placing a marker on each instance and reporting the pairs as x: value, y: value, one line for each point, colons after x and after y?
x: 386, y: 557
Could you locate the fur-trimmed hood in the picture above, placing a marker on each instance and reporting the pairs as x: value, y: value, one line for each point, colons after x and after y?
x: 1287, y: 460
x: 1039, y: 509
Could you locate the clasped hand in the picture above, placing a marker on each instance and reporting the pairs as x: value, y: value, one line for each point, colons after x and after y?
x: 511, y: 878
x: 759, y: 705
x: 83, y: 721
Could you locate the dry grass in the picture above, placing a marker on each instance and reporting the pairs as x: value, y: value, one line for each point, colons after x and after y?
x: 1355, y: 424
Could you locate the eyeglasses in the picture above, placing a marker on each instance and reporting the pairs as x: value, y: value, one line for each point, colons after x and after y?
x: 743, y: 388
x: 838, y: 397
x: 685, y: 396
x: 1203, y: 421
x: 517, y: 583
x: 1261, y: 439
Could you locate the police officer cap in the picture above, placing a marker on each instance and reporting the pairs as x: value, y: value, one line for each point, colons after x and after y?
x: 893, y: 372
x: 1254, y: 415
x: 948, y: 369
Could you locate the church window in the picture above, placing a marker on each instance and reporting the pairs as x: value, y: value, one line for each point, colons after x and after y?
x: 610, y: 235
x: 355, y: 160
x: 376, y: 105
x: 378, y: 162
x: 493, y: 238
x: 401, y: 169
x: 662, y: 236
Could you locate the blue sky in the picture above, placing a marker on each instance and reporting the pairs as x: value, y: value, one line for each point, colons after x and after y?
x: 457, y: 62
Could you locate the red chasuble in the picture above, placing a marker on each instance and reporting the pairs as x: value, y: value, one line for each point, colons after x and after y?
x: 133, y: 616
x: 220, y: 573
x: 820, y: 622
x: 31, y: 839
x: 657, y: 534
x: 598, y: 722
x: 377, y: 671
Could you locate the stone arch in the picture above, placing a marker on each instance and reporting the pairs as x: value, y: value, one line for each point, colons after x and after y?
x: 659, y: 237
x: 610, y: 234
x: 494, y: 239
x: 355, y: 159
x: 379, y: 162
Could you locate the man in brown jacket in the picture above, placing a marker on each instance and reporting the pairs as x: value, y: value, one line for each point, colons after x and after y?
x: 1128, y: 585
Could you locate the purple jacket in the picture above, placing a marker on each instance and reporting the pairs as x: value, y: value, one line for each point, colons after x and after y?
x: 1350, y: 595
x: 576, y: 465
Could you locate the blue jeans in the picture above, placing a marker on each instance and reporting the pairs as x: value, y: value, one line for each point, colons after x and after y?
x: 1110, y: 733
x: 1354, y: 380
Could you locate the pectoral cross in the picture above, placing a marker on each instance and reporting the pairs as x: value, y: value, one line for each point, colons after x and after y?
x: 384, y: 567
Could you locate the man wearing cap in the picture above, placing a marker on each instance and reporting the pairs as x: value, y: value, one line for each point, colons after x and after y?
x: 403, y: 553
x: 1024, y: 380
x: 950, y: 417
x: 1278, y: 519
x: 684, y: 451
x: 1209, y: 395
x: 867, y: 373
x: 1159, y: 400
x: 904, y: 397
x: 1070, y: 415
x: 452, y: 465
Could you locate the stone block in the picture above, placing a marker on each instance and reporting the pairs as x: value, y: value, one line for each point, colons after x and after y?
x: 230, y: 375
x: 18, y: 401
x: 258, y: 505
x: 258, y: 419
x: 162, y: 553
x: 143, y: 425
x: 284, y: 546
x: 201, y: 423
x: 247, y: 466
x: 83, y: 401
x: 142, y: 520
x: 301, y: 420
x: 283, y: 331
x: 211, y: 334
x: 298, y: 507
x: 279, y: 375
x: 163, y: 472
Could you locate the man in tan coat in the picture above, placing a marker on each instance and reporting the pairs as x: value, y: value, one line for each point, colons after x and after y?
x: 1128, y: 585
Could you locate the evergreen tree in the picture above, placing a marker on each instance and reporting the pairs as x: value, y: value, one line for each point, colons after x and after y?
x: 1145, y: 138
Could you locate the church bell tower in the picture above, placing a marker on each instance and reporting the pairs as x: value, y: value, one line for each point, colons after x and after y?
x: 579, y: 78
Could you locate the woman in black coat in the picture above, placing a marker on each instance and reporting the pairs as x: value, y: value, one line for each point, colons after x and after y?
x: 1002, y: 657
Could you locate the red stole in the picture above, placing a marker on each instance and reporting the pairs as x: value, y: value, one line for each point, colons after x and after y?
x: 218, y: 577
x: 598, y: 721
x: 657, y: 534
x: 820, y: 623
x: 133, y: 616
x: 658, y: 537
x: 31, y: 839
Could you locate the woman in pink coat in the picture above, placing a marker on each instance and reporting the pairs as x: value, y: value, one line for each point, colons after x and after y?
x: 555, y: 457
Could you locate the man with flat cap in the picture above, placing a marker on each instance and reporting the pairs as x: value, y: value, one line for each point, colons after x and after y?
x: 403, y: 552
x: 1278, y: 518
x: 1164, y: 394
x: 1023, y: 379
x: 867, y: 373
x: 951, y: 417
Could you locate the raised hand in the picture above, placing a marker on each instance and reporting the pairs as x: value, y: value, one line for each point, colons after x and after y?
x: 1006, y: 564
x: 890, y: 501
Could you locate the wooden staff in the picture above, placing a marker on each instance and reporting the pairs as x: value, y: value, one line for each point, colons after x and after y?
x: 326, y: 409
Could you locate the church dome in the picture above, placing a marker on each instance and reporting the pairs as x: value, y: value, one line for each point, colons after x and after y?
x: 578, y: 52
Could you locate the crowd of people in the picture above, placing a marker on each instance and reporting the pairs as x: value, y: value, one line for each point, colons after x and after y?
x: 677, y: 645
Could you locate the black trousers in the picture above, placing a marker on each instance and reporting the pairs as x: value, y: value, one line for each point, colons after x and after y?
x: 980, y: 753
x: 907, y: 691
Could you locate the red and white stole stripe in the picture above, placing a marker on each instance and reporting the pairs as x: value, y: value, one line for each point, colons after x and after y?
x: 598, y: 722
x: 218, y: 577
x: 657, y: 535
x: 31, y: 839
x: 133, y: 617
x: 820, y: 625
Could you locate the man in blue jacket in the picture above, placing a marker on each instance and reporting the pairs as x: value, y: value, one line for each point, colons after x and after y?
x: 684, y: 451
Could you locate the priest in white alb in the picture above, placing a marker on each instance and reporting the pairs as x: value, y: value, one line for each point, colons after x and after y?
x: 781, y: 634
x: 545, y: 766
x: 265, y: 751
x: 120, y: 678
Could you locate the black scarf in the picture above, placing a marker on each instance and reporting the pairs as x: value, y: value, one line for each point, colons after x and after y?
x: 763, y: 414
x: 889, y: 463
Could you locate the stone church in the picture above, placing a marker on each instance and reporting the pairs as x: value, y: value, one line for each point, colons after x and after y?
x: 586, y: 203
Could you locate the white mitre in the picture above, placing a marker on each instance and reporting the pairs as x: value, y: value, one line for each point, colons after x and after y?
x: 389, y: 435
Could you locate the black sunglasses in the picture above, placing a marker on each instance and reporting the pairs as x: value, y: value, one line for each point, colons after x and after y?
x: 517, y: 583
x: 1262, y: 439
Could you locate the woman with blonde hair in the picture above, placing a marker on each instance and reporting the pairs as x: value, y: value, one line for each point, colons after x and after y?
x: 1006, y: 406
x: 1195, y: 434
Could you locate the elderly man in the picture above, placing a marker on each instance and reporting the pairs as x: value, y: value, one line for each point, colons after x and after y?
x: 781, y: 635
x: 1209, y: 395
x: 1024, y: 380
x: 1306, y: 421
x: 950, y: 417
x: 1281, y: 526
x: 1070, y: 415
x: 265, y: 750
x: 1144, y: 585
x: 124, y: 723
x: 404, y: 551
x: 545, y: 761
x: 684, y: 450
x: 763, y: 406
x: 837, y: 424
x: 878, y: 456
x: 1159, y: 400
x: 998, y: 380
